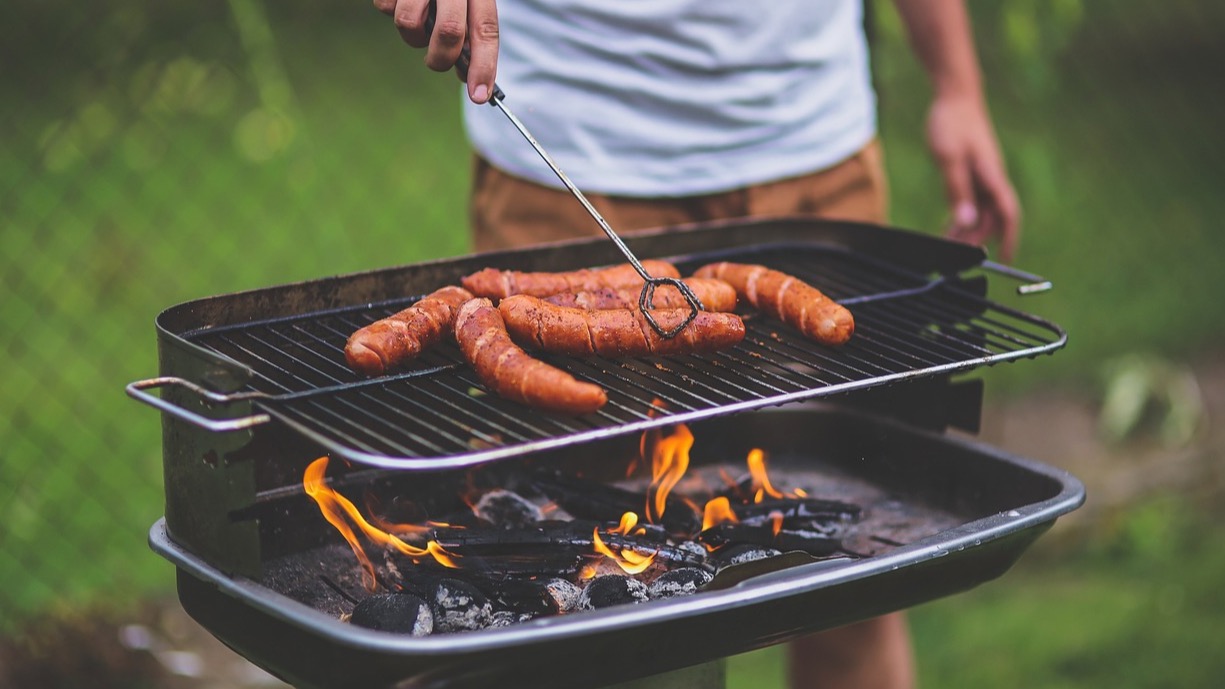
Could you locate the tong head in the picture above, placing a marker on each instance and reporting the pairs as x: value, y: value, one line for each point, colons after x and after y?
x: 646, y: 302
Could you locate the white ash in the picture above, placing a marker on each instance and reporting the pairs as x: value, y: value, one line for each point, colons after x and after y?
x: 693, y: 547
x: 507, y: 510
x: 612, y: 589
x: 505, y: 618
x: 740, y: 554
x: 565, y: 594
x: 458, y: 606
x: 685, y: 581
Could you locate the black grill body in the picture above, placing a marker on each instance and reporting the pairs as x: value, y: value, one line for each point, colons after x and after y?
x: 279, y: 395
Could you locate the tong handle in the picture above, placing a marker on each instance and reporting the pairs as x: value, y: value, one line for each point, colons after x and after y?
x: 465, y: 56
x: 136, y: 391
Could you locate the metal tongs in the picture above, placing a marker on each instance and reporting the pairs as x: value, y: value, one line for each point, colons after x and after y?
x: 646, y: 299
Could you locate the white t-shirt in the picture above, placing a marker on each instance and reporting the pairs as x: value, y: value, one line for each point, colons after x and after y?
x: 656, y: 98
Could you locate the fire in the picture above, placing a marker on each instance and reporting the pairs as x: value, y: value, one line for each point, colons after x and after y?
x: 776, y: 518
x: 670, y: 459
x: 648, y: 437
x: 761, y: 479
x: 629, y: 561
x: 718, y: 511
x: 335, y: 507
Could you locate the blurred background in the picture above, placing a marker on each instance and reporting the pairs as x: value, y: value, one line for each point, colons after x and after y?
x: 153, y: 153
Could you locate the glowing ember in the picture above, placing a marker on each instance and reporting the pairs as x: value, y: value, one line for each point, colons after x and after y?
x: 668, y: 464
x: 335, y: 507
x: 718, y: 511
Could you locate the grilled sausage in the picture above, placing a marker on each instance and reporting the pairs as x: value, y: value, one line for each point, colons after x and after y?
x: 788, y: 299
x: 512, y: 373
x: 614, y: 332
x: 382, y: 345
x: 499, y: 284
x: 715, y: 295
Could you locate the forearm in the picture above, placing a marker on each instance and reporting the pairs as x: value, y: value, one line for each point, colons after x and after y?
x: 941, y: 37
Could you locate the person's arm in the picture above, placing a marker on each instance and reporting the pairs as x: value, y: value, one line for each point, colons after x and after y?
x: 959, y: 130
x: 456, y: 22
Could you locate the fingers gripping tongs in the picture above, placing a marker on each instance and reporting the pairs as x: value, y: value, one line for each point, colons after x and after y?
x: 647, y: 297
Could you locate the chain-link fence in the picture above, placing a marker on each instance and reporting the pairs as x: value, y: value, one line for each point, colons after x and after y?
x: 154, y: 153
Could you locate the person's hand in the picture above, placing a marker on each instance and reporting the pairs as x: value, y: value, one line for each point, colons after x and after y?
x: 456, y: 22
x: 983, y: 202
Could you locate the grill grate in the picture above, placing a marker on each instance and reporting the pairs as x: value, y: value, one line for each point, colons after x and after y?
x: 435, y: 413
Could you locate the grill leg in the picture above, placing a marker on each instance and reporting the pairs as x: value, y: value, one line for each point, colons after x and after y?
x: 712, y: 675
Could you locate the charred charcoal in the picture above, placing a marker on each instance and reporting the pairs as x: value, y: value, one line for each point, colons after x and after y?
x: 459, y: 606
x: 812, y: 514
x: 565, y: 595
x: 670, y: 555
x: 506, y: 510
x: 394, y: 612
x: 811, y: 542
x: 612, y: 589
x: 593, y: 500
x: 679, y: 582
x: 553, y: 542
x: 522, y: 596
x: 739, y: 554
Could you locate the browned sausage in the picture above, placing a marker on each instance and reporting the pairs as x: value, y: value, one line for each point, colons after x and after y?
x: 614, y: 332
x: 382, y: 345
x: 715, y: 295
x: 788, y: 299
x: 499, y: 284
x: 511, y: 372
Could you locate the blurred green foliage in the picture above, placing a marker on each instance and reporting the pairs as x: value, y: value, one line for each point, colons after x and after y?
x: 155, y: 153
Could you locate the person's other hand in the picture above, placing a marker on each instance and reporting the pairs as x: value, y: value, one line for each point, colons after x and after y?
x: 456, y: 22
x: 983, y: 202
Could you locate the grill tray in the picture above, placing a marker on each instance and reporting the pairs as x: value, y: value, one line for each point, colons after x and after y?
x: 914, y: 318
x: 996, y: 503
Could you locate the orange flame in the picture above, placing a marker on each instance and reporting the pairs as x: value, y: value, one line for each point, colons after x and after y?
x: 777, y: 519
x: 718, y: 511
x: 331, y: 505
x: 335, y: 507
x: 629, y: 561
x: 668, y: 464
x: 761, y: 480
x: 648, y: 437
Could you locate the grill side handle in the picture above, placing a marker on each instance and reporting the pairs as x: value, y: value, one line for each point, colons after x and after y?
x: 137, y: 390
x: 1033, y: 283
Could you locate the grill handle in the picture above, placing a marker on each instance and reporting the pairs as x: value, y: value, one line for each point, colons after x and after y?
x: 1033, y: 283
x: 136, y: 391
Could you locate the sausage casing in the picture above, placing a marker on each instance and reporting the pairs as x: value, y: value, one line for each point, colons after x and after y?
x: 499, y: 284
x: 715, y: 295
x: 614, y: 332
x: 382, y: 345
x: 788, y: 299
x: 514, y: 374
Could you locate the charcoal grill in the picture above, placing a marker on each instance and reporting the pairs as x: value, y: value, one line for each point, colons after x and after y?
x: 254, y: 386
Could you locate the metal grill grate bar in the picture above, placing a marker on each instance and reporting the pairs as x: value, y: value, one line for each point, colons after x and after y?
x: 435, y: 413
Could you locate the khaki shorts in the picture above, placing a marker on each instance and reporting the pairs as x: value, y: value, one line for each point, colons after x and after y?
x: 509, y: 212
